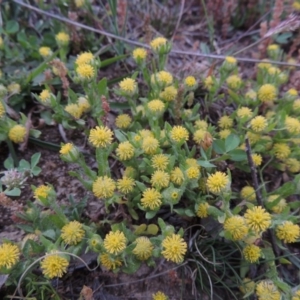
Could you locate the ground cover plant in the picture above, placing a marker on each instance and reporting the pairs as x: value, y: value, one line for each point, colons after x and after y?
x: 201, y: 171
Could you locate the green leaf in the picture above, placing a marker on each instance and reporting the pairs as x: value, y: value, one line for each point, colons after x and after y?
x: 12, y: 27
x: 140, y: 229
x: 294, y: 204
x: 102, y: 87
x: 238, y: 155
x: 9, y: 163
x: 120, y: 136
x: 219, y: 146
x: 15, y: 192
x: 161, y: 224
x: 112, y: 60
x: 50, y: 233
x: 205, y: 164
x: 35, y: 159
x: 133, y: 213
x: 231, y: 142
x: 152, y: 229
x: 24, y: 165
x: 151, y: 214
x: 140, y: 186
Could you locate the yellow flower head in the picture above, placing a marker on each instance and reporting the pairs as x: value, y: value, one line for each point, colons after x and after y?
x: 45, y: 96
x: 208, y: 82
x: 177, y: 176
x: 42, y: 191
x: 45, y: 52
x: 225, y: 122
x: 163, y: 78
x: 273, y: 47
x: 296, y: 105
x: 202, y: 210
x: 190, y: 82
x: 267, y: 93
x: 158, y: 43
x: 72, y: 233
x: 174, y: 248
x: 85, y: 71
x: 288, y: 232
x: 296, y: 295
x: 156, y: 106
x: 199, y: 136
x: 258, y: 124
x: 201, y: 124
x: 130, y: 172
x: 296, y: 5
x: 292, y: 93
x: 139, y: 54
x: 160, y: 296
x: 151, y: 199
x: 169, y: 93
x: 74, y: 110
x: 252, y: 253
x: 104, y: 187
x: 69, y: 152
x: 110, y: 263
x: 128, y: 86
x: 193, y: 173
x: 84, y: 58
x: 281, y: 151
x: 229, y: 63
x: 14, y: 88
x: 179, y: 134
x: 79, y: 3
x: 244, y: 112
x: 248, y: 193
x: 223, y: 134
x: 293, y: 165
x: 251, y: 95
x: 115, y: 242
x: 217, y: 182
x: 100, y: 137
x: 292, y: 125
x: 248, y: 286
x: 266, y: 289
x: 125, y: 151
x: 257, y: 219
x: 280, y: 206
x: 83, y: 104
x: 62, y: 39
x: 274, y: 71
x: 160, y: 161
x: 150, y: 145
x: 9, y: 255
x: 143, y: 249
x: 125, y: 185
x: 123, y: 121
x: 192, y: 162
x: 257, y: 159
x: 237, y: 227
x: 234, y: 82
x: 160, y: 179
x: 2, y: 110
x: 54, y: 265
x: 17, y: 134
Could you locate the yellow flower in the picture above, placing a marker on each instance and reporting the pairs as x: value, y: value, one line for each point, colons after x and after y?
x: 54, y: 265
x: 248, y: 286
x: 9, y: 255
x: 160, y: 161
x: 192, y: 162
x: 229, y: 63
x: 145, y: 133
x: 244, y: 112
x: 151, y: 199
x: 159, y: 296
x: 139, y: 54
x: 163, y: 78
x: 95, y: 242
x: 266, y: 289
x: 234, y: 82
x: 17, y: 134
x: 100, y: 137
x: 79, y: 3
x: 123, y: 121
x: 104, y: 187
x: 257, y: 159
x: 296, y: 295
x: 62, y: 39
x: 74, y: 110
x: 157, y: 43
x: 273, y: 47
x: 69, y: 152
x: 110, y: 263
x: 264, y: 65
x: 160, y: 179
x: 115, y: 242
x: 84, y: 58
x: 281, y: 151
x: 225, y: 122
x: 296, y: 5
x: 274, y: 71
x: 251, y: 95
x: 267, y: 93
x: 296, y: 105
x: 125, y: 151
x: 202, y: 210
x: 292, y: 125
x: 14, y: 88
x: 45, y: 96
x: 128, y: 86
x: 257, y: 219
x: 72, y: 233
x: 280, y: 206
x: 150, y: 145
x: 258, y: 124
x: 83, y: 104
x: 193, y: 172
x: 156, y: 106
x: 248, y: 193
x: 190, y: 81
x: 85, y: 71
x: 292, y: 92
x: 177, y: 176
x: 2, y: 110
x: 230, y: 59
x: 199, y: 136
x: 174, y: 248
x: 179, y: 134
x: 126, y: 185
x: 143, y: 248
x: 208, y: 83
x: 42, y: 191
x: 224, y: 133
x: 201, y: 124
x: 293, y: 165
x: 288, y: 232
x: 237, y: 227
x: 217, y: 182
x: 252, y: 253
x: 169, y: 93
x: 45, y: 52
